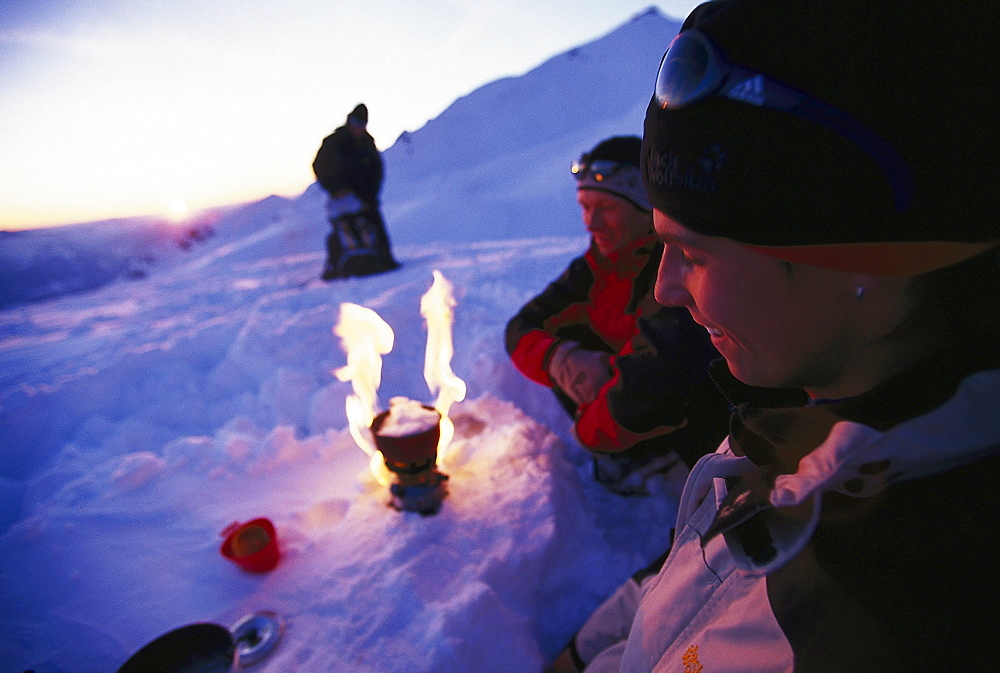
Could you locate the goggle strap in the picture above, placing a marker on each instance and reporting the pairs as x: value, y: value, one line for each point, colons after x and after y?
x: 895, y: 170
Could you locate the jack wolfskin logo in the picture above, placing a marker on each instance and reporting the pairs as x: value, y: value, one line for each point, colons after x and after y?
x: 690, y: 659
x: 749, y: 91
x: 700, y: 174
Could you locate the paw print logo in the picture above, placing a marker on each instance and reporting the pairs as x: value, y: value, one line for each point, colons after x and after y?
x: 712, y: 159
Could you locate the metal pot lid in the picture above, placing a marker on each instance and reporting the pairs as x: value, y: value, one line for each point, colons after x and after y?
x: 256, y: 635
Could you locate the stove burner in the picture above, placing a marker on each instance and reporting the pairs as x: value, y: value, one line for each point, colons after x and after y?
x: 421, y: 492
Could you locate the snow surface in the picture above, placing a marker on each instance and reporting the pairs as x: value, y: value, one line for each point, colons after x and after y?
x: 158, y: 383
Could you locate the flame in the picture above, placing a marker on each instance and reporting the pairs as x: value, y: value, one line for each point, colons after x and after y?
x: 436, y: 307
x: 365, y: 337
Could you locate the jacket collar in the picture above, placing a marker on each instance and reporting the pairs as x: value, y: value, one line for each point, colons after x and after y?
x: 929, y: 419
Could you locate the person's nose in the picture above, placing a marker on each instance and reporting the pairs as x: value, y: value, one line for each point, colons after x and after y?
x: 669, y: 289
x: 594, y: 221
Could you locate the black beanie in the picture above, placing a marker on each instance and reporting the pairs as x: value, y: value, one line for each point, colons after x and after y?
x: 359, y: 114
x: 626, y: 183
x: 920, y: 74
x: 623, y: 149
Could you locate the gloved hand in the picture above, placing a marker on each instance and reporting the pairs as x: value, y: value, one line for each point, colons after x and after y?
x: 578, y: 372
x: 344, y: 202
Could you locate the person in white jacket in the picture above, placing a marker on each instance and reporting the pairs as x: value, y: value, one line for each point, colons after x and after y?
x: 824, y: 181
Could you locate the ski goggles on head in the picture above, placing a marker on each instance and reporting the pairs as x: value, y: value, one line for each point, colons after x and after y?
x: 693, y: 68
x: 614, y: 177
x: 599, y: 169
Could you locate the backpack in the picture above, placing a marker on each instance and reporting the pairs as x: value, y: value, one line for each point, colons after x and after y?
x: 352, y: 248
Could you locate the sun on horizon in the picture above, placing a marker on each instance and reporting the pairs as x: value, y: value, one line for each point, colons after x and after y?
x: 177, y: 209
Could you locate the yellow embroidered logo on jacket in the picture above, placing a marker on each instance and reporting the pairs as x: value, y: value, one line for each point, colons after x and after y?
x: 690, y: 659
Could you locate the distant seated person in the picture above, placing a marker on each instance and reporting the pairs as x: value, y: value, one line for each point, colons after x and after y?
x: 631, y: 374
x: 349, y: 167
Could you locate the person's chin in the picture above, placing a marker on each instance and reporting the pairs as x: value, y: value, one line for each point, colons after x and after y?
x: 605, y: 247
x: 754, y: 374
x: 741, y: 366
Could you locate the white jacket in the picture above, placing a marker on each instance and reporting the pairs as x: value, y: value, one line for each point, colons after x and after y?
x: 709, y: 608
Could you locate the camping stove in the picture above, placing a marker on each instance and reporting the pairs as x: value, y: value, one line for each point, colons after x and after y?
x: 418, y: 485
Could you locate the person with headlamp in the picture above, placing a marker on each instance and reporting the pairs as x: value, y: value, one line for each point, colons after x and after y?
x: 597, y: 337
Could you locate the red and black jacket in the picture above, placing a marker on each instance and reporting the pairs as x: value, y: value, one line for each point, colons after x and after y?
x: 659, y: 397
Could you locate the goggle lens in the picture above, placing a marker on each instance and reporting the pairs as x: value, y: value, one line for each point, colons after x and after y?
x: 683, y: 75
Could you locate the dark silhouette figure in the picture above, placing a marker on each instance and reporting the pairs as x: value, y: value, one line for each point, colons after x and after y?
x: 349, y: 167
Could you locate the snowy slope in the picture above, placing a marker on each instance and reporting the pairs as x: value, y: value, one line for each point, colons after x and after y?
x: 500, y: 155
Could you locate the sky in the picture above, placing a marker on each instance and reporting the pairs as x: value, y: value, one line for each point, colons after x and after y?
x: 117, y: 108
